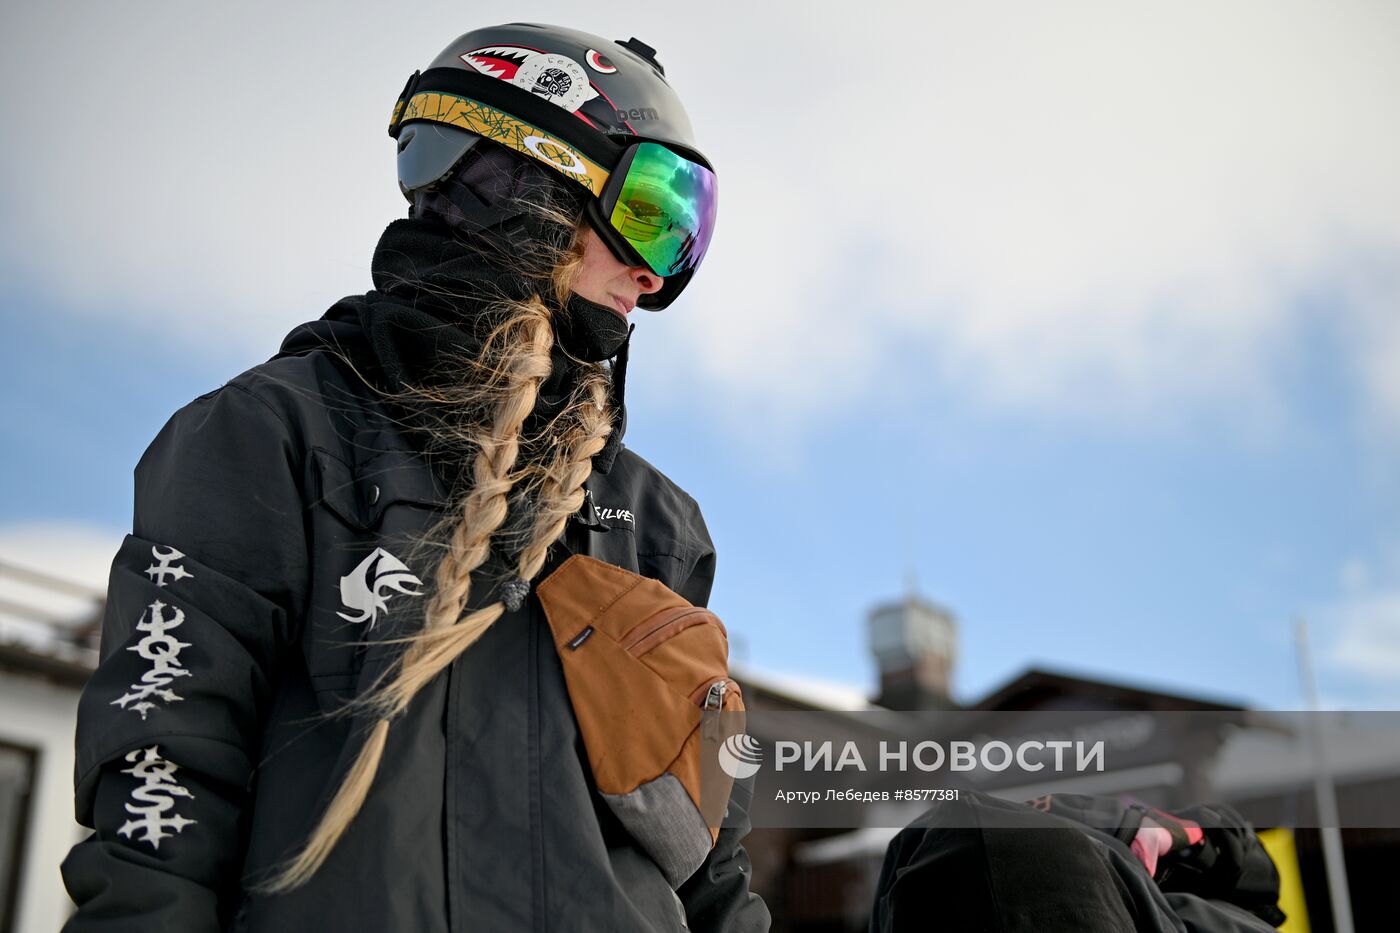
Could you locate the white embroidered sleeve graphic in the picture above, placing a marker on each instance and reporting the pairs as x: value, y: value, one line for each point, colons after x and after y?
x: 164, y: 566
x: 163, y: 651
x: 154, y: 798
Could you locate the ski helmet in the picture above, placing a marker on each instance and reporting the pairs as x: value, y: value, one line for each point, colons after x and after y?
x: 600, y: 114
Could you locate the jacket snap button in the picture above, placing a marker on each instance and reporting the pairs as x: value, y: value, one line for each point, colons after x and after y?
x: 373, y: 495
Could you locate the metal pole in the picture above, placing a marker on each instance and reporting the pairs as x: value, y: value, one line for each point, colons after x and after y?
x: 1329, y: 825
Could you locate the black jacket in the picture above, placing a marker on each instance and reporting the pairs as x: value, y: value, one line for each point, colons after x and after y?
x: 272, y: 558
x: 1063, y: 865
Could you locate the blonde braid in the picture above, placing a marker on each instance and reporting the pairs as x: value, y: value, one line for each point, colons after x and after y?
x: 588, y: 422
x: 485, y: 507
x: 525, y: 341
x: 560, y: 491
x: 522, y: 349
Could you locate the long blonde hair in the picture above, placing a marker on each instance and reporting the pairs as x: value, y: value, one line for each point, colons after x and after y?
x: 491, y: 404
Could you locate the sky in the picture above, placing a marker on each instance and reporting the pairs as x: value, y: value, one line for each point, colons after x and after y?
x: 1081, y: 318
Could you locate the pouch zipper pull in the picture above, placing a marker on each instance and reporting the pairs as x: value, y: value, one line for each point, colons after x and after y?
x: 711, y: 729
x: 716, y: 695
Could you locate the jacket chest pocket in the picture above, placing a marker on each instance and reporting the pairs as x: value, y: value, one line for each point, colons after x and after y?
x: 664, y: 560
x: 362, y: 493
x: 372, y: 520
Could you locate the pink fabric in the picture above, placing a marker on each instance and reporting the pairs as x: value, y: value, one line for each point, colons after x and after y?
x: 1150, y: 844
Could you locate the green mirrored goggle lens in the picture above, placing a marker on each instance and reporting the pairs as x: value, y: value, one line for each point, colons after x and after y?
x: 666, y: 209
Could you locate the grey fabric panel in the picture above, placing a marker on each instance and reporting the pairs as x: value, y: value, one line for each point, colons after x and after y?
x: 666, y: 823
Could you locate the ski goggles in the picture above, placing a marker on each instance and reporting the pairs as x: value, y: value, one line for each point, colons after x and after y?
x: 657, y: 209
x: 654, y: 203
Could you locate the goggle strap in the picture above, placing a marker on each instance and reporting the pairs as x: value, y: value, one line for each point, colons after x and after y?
x: 515, y: 101
x: 409, y: 87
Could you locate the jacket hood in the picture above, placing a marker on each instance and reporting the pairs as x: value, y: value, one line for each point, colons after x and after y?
x: 429, y: 308
x: 338, y: 327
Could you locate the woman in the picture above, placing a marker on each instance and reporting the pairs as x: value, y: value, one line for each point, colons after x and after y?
x: 328, y: 698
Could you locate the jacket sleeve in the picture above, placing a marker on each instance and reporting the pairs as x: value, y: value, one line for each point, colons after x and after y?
x: 700, y: 566
x: 1217, y: 868
x: 201, y: 599
x: 717, y: 897
x: 1230, y: 864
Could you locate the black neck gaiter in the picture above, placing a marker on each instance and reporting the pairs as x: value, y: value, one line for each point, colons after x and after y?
x: 430, y: 310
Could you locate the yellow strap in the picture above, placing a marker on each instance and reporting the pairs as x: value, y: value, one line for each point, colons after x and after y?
x: 501, y: 127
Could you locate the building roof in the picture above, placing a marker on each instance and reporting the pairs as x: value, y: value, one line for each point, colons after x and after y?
x: 69, y: 671
x: 48, y: 625
x: 1036, y: 687
x: 802, y: 690
x: 1278, y: 754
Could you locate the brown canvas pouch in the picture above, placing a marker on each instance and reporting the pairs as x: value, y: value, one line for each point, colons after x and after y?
x: 648, y: 675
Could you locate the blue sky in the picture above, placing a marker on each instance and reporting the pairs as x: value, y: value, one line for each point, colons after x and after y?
x: 1175, y: 560
x: 1110, y: 365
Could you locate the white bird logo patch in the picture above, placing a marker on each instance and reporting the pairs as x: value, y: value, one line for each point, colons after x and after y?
x: 367, y: 588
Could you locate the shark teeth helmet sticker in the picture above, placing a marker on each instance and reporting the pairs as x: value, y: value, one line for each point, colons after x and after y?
x: 499, y: 61
x: 557, y: 78
x: 367, y: 588
x: 600, y: 62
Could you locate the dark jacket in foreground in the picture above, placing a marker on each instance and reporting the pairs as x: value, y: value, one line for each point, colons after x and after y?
x: 274, y: 554
x: 1063, y: 865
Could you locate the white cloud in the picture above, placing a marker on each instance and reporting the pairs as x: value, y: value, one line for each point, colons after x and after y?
x: 76, y: 552
x: 1367, y: 641
x: 1081, y: 208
